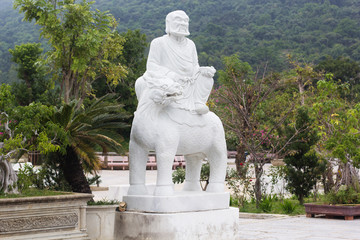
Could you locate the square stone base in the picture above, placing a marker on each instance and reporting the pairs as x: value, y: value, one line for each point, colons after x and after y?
x: 182, y: 201
x: 202, y: 225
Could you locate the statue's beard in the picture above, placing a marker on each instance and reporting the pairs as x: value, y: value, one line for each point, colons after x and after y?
x: 180, y: 31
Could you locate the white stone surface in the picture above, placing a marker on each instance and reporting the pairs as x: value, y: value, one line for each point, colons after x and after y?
x: 172, y: 118
x: 100, y: 220
x: 116, y: 192
x: 204, y: 225
x: 44, y: 217
x: 183, y: 201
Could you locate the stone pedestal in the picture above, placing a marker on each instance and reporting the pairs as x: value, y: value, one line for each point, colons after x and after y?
x: 183, y: 201
x: 183, y: 216
x: 203, y: 225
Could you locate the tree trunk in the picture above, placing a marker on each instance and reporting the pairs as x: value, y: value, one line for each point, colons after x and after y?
x: 328, y: 181
x: 301, y: 91
x: 301, y: 199
x: 8, y: 177
x: 240, y: 158
x: 348, y: 175
x: 257, y: 188
x: 74, y: 173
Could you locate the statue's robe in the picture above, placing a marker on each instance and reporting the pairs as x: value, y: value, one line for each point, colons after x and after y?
x: 166, y: 57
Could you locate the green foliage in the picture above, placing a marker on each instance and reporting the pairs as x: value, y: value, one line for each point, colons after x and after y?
x: 276, y: 175
x: 47, y: 177
x: 234, y: 202
x: 288, y: 207
x: 7, y: 99
x: 83, y: 43
x: 94, y: 180
x: 266, y: 204
x: 303, y: 167
x: 277, y: 207
x: 240, y: 185
x: 103, y: 202
x: 27, y: 177
x: 79, y: 132
x: 344, y: 70
x: 32, y: 123
x: 33, y: 192
x: 34, y: 86
x: 205, y: 175
x: 262, y: 31
x: 86, y: 128
x: 345, y: 195
x: 178, y: 176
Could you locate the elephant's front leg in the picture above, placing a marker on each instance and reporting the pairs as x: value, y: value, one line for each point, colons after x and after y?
x: 164, y: 162
x: 137, y: 166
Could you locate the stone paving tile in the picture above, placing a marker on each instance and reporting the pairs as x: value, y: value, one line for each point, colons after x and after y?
x: 300, y: 228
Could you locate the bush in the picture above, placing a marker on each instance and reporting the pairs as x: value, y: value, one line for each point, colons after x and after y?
x: 103, y: 202
x: 234, y: 202
x: 46, y: 177
x: 178, y: 176
x: 287, y: 206
x: 29, y: 177
x: 345, y: 195
x: 266, y: 204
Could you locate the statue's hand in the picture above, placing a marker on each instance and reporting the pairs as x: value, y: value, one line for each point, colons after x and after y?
x: 207, y: 71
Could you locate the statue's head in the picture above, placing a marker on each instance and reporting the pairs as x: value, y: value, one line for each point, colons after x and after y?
x: 177, y: 23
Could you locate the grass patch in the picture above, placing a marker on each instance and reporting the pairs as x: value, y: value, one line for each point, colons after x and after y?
x: 33, y: 192
x: 277, y: 207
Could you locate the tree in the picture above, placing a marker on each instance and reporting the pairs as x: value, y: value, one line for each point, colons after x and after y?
x: 31, y: 71
x: 79, y: 132
x: 134, y: 59
x: 21, y: 129
x: 26, y: 56
x: 83, y: 43
x: 345, y: 71
x: 339, y: 128
x: 303, y: 167
x: 241, y: 103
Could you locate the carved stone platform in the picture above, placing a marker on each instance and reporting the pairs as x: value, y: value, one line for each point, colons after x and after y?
x: 182, y: 201
x: 203, y: 225
x: 50, y: 217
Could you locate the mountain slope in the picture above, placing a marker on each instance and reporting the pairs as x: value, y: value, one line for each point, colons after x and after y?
x: 259, y: 30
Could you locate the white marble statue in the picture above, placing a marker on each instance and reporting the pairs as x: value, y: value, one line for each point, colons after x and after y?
x: 172, y: 116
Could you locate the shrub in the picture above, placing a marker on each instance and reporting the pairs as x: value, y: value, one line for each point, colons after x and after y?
x: 28, y: 177
x: 103, y: 202
x: 287, y: 206
x: 266, y: 204
x: 345, y: 195
x: 234, y: 202
x: 178, y: 176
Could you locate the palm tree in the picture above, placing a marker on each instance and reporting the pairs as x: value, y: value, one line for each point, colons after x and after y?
x: 80, y: 132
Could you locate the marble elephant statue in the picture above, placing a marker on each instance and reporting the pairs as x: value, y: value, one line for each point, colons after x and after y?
x: 170, y: 131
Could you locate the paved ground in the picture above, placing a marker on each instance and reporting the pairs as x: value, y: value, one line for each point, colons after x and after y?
x: 269, y: 227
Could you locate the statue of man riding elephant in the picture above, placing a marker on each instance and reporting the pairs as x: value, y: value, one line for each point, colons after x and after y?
x: 172, y: 116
